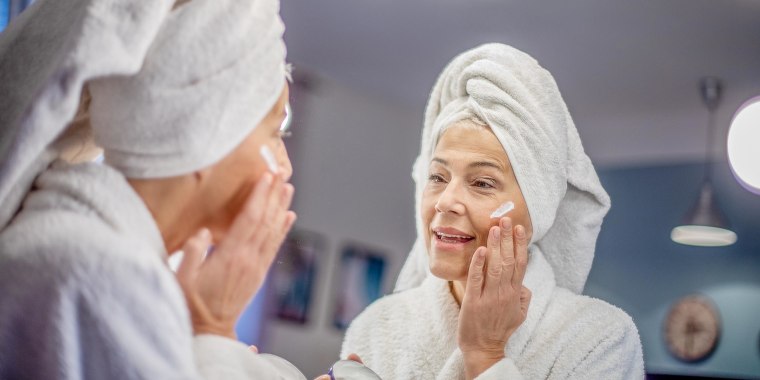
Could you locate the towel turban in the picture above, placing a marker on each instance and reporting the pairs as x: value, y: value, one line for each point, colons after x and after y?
x: 519, y: 100
x: 175, y: 87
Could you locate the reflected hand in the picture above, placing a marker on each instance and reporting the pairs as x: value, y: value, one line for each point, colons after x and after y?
x: 353, y: 357
x: 495, y: 302
x: 219, y: 287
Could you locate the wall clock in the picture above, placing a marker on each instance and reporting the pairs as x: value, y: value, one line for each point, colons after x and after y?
x: 692, y: 328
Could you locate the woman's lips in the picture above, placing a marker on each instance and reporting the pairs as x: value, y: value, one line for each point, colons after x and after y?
x: 450, y: 238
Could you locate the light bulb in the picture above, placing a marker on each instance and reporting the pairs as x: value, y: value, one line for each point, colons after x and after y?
x: 744, y: 145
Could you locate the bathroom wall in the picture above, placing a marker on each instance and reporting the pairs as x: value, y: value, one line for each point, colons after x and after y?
x: 352, y: 155
x: 639, y: 268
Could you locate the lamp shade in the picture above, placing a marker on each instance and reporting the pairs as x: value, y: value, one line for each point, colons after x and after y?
x: 704, y: 224
x: 744, y: 145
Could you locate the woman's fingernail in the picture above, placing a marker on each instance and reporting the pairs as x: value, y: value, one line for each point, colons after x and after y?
x: 205, y: 233
x: 520, y: 231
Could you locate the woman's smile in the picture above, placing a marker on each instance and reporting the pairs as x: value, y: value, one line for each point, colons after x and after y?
x: 450, y: 239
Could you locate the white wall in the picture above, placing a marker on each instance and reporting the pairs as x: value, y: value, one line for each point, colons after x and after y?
x: 352, y: 156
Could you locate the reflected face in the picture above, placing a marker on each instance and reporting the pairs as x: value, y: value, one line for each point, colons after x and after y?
x: 231, y: 180
x: 470, y: 176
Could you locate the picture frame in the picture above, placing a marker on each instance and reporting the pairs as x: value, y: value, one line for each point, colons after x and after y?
x: 359, y: 282
x: 293, y: 276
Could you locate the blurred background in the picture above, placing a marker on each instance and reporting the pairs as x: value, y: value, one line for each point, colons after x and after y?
x: 629, y: 72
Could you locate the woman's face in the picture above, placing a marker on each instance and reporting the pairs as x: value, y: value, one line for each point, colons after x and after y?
x: 469, y: 177
x: 231, y: 180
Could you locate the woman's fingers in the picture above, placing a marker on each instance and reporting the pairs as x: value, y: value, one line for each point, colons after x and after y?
x: 355, y: 358
x: 525, y: 297
x: 193, y: 250
x: 521, y: 256
x: 283, y: 221
x: 494, y: 267
x: 278, y: 220
x: 243, y: 227
x: 274, y: 200
x: 475, y: 276
x: 507, y: 249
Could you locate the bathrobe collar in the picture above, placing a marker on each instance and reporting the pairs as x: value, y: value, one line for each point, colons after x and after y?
x: 103, y: 191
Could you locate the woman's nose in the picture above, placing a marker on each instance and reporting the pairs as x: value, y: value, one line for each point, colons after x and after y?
x: 450, y: 200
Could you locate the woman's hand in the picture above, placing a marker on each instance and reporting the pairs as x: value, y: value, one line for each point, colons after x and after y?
x: 495, y: 302
x: 353, y: 357
x: 219, y: 287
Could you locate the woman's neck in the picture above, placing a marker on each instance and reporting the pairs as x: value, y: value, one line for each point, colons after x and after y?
x: 167, y: 200
x: 457, y: 290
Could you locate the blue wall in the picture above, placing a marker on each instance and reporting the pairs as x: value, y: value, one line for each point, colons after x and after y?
x: 638, y: 268
x: 4, y: 13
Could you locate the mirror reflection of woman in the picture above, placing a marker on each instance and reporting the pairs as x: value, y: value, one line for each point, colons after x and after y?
x: 498, y: 298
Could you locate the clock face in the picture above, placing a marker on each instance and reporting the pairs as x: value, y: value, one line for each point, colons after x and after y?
x: 692, y: 328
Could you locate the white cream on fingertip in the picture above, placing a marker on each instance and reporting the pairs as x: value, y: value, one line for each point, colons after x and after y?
x: 269, y: 158
x: 503, y: 210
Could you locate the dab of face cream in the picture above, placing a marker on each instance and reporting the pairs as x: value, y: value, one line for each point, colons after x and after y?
x: 269, y: 158
x: 503, y: 210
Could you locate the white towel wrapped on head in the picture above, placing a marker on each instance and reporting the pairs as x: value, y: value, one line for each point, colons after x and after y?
x: 521, y: 103
x: 213, y: 72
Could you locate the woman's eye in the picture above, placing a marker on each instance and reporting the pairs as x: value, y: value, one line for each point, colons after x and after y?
x: 483, y: 184
x: 435, y: 178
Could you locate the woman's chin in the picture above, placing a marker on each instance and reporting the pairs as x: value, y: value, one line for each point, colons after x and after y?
x: 448, y: 271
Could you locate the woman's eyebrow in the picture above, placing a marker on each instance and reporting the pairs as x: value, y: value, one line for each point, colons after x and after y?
x: 440, y: 161
x: 489, y: 164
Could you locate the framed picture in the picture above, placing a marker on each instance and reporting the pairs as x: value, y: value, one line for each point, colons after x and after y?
x: 293, y: 275
x: 360, y: 280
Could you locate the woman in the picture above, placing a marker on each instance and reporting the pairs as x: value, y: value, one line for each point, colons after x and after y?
x: 183, y: 98
x: 487, y: 298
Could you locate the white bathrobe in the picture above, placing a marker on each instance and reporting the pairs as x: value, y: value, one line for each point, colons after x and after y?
x: 87, y: 294
x: 412, y: 335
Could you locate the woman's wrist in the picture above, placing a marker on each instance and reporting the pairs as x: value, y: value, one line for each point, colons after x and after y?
x: 477, y: 362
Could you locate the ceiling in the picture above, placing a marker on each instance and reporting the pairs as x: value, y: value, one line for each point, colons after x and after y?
x: 627, y: 69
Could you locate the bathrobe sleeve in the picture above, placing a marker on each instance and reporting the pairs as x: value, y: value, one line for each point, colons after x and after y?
x: 222, y: 358
x: 612, y: 353
x: 84, y: 312
x: 139, y: 328
x: 503, y: 369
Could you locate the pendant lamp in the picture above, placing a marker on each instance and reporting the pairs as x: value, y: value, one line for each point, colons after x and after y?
x: 705, y: 224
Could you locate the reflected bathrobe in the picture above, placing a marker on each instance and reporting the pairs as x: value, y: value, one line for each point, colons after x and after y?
x: 86, y: 292
x: 412, y: 335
